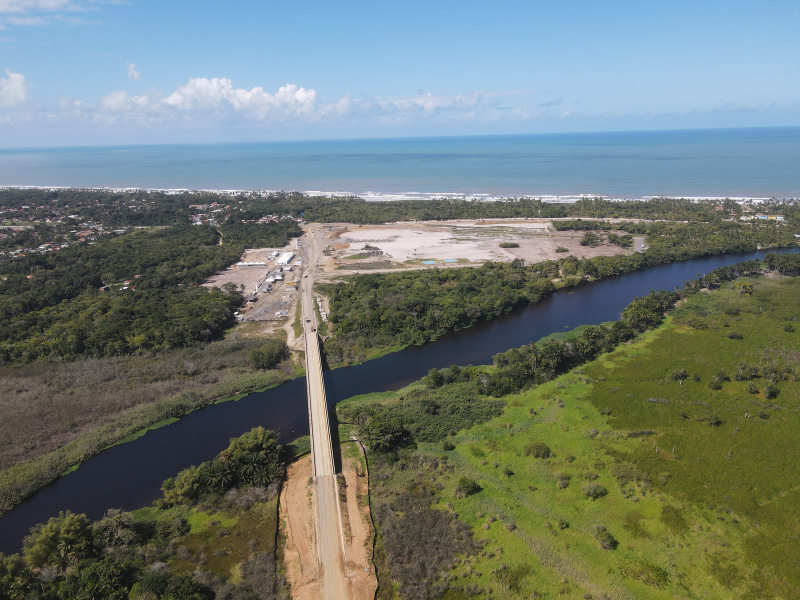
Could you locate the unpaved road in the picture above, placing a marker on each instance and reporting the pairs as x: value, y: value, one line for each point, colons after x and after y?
x: 299, y: 532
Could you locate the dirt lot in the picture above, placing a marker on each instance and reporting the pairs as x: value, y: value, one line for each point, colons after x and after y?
x: 297, y: 528
x: 267, y: 307
x: 245, y: 278
x: 453, y: 243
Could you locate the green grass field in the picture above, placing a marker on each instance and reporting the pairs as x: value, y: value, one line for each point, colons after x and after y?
x: 701, y: 484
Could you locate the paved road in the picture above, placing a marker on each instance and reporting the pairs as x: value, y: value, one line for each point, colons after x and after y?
x: 328, y: 525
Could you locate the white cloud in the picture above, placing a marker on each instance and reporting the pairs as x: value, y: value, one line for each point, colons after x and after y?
x: 25, y: 6
x: 133, y: 72
x: 218, y: 94
x: 211, y: 103
x: 32, y: 13
x: 13, y: 89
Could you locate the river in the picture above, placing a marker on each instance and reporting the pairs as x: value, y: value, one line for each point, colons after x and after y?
x: 129, y: 476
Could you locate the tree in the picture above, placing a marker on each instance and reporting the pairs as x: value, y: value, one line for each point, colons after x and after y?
x: 270, y: 354
x: 62, y: 541
x: 106, y: 579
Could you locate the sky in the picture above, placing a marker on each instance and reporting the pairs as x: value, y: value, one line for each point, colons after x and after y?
x: 96, y: 72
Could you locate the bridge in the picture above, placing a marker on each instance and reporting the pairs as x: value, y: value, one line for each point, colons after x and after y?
x: 330, y: 541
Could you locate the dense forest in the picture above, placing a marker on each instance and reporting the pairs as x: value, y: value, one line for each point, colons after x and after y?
x: 384, y: 310
x: 131, y: 293
x: 158, y: 553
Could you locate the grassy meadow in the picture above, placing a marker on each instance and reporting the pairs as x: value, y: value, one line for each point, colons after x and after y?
x: 665, y: 469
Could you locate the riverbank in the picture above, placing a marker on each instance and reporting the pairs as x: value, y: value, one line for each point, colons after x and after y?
x: 644, y: 473
x: 132, y: 473
x: 85, y: 407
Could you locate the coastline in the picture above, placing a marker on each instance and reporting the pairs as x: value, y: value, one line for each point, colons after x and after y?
x: 376, y: 196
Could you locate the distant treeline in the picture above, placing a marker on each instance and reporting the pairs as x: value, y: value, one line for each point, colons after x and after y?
x: 132, y: 293
x: 384, y: 310
x: 128, y: 208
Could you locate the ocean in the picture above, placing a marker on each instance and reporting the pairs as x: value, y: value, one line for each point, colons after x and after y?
x: 737, y: 163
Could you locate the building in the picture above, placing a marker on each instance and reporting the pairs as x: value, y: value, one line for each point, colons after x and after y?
x: 286, y: 258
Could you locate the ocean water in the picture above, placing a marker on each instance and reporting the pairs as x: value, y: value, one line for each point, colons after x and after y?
x: 754, y: 163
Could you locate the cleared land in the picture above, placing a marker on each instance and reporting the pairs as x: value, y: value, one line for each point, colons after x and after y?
x: 681, y: 446
x: 465, y: 242
x: 298, y: 529
x: 267, y: 308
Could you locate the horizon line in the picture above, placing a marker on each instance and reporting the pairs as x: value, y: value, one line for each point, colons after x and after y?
x: 8, y: 149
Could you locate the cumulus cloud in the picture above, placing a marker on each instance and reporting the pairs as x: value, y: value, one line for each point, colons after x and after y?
x: 13, y: 89
x: 211, y: 102
x: 133, y: 72
x: 218, y: 94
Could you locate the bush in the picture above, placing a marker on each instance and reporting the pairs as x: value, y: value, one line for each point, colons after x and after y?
x: 448, y: 446
x: 509, y: 245
x: 626, y: 472
x: 270, y: 354
x: 562, y: 480
x: 594, y: 490
x: 467, y: 487
x: 590, y: 239
x: 562, y: 249
x: 735, y: 335
x: 679, y: 375
x: 603, y: 535
x: 537, y: 450
x: 745, y: 372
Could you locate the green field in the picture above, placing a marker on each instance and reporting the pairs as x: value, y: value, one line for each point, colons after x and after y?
x: 701, y: 487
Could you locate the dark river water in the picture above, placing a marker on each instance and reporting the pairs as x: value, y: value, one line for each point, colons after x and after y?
x: 130, y: 475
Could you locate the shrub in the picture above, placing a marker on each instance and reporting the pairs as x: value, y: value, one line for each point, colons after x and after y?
x: 735, y: 335
x: 626, y: 472
x: 788, y: 328
x: 590, y: 239
x: 448, y: 446
x: 270, y: 354
x: 745, y: 372
x: 594, y: 490
x: 509, y: 245
x: 752, y: 388
x: 679, y: 375
x: 467, y: 487
x: 562, y: 249
x: 537, y: 450
x: 603, y: 535
x: 562, y: 480
x: 770, y: 390
x: 715, y: 383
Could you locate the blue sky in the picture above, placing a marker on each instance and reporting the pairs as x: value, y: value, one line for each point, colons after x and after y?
x: 76, y: 72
